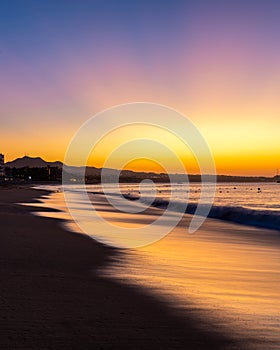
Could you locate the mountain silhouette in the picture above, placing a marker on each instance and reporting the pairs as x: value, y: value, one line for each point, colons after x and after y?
x: 30, y: 162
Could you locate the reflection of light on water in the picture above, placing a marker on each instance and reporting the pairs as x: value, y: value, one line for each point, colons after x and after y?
x: 230, y: 274
x: 241, y: 203
x: 233, y: 282
x: 227, y: 194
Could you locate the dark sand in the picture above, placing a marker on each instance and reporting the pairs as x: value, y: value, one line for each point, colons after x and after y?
x: 51, y: 298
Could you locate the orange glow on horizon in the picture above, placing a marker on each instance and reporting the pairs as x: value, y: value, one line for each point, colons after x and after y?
x: 258, y: 156
x: 218, y: 65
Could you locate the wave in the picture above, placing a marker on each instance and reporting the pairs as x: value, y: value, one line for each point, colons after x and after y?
x: 246, y: 216
x: 251, y: 217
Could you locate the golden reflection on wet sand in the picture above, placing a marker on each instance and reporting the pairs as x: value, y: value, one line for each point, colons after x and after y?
x: 228, y: 273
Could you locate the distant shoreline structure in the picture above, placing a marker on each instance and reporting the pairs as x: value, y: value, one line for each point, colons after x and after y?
x: 36, y: 169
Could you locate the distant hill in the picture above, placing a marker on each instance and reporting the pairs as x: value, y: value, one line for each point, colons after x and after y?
x: 94, y: 174
x: 32, y: 163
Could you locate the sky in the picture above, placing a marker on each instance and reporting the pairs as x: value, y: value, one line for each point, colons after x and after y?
x: 217, y: 62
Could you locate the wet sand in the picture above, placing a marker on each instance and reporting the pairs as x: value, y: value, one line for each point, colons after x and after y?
x: 52, y: 295
x: 226, y: 274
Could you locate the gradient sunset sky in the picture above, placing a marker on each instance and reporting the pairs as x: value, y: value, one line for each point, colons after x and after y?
x: 218, y: 62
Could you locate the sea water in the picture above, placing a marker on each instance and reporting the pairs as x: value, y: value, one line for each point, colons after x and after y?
x: 256, y: 204
x: 228, y: 275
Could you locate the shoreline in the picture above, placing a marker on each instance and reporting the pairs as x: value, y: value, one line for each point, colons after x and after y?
x: 239, y: 215
x: 52, y: 297
x: 227, y: 274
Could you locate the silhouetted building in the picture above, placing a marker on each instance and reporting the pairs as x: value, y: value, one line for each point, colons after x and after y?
x: 2, y: 165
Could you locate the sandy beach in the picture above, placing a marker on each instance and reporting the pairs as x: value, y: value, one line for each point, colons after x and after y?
x: 139, y: 175
x: 52, y: 298
x: 226, y: 275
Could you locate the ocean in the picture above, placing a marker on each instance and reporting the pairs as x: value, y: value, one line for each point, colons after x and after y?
x: 254, y: 204
x: 228, y: 273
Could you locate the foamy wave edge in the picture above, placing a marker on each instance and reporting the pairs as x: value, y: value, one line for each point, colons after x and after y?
x: 251, y: 217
